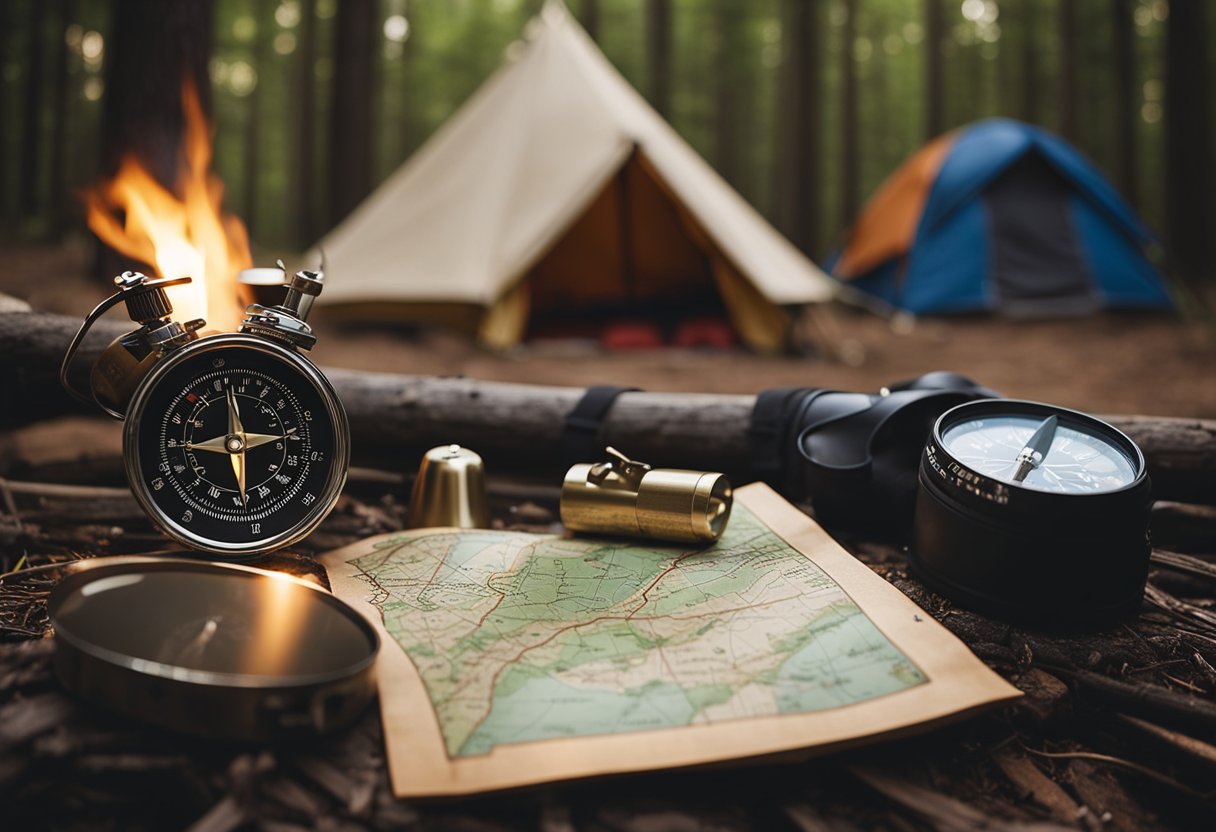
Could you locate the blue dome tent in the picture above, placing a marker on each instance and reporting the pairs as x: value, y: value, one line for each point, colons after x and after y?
x: 1001, y: 216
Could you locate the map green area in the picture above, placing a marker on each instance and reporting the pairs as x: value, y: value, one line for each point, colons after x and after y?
x: 519, y: 637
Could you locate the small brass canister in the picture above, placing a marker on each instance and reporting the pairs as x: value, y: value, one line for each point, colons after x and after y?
x: 624, y: 497
x: 450, y: 490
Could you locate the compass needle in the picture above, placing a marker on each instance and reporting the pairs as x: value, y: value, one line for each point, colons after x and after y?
x: 1035, y: 451
x: 238, y: 468
x: 254, y: 440
x: 234, y: 414
x: 218, y: 445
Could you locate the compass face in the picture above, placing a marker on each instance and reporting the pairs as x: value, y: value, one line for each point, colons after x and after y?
x: 238, y: 447
x: 1075, y: 462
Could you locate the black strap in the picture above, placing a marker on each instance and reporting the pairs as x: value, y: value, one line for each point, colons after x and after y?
x: 770, y: 433
x: 581, y: 432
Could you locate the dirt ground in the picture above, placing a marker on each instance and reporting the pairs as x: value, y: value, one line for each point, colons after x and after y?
x: 1110, y: 363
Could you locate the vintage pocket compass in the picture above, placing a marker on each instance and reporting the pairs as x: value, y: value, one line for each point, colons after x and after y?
x: 233, y: 443
x: 1033, y: 512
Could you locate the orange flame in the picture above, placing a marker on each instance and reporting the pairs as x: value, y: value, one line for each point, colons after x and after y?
x: 181, y: 236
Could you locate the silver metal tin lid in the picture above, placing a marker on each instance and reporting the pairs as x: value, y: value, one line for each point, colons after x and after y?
x: 217, y: 650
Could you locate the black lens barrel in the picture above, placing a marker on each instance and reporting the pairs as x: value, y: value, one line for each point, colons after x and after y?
x: 1050, y: 560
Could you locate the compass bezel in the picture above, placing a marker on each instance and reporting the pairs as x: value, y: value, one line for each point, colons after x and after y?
x: 334, y: 483
x: 962, y: 482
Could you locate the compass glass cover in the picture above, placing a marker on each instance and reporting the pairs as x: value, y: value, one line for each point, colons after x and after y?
x: 236, y: 445
x: 1077, y: 462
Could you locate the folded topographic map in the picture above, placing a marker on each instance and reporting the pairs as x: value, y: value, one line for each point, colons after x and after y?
x: 513, y: 658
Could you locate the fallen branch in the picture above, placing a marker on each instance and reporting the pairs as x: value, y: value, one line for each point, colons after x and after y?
x: 394, y: 418
x: 1144, y: 771
x: 1162, y: 706
x: 1185, y: 563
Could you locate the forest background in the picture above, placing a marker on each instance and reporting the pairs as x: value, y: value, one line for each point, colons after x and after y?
x: 803, y: 105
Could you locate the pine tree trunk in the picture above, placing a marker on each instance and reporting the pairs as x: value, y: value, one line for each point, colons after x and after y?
x: 350, y: 149
x: 1124, y: 77
x: 1188, y: 145
x: 305, y: 127
x: 1030, y: 66
x: 1069, y: 42
x: 799, y: 174
x: 658, y: 54
x: 156, y: 46
x: 60, y: 198
x: 850, y: 157
x: 935, y: 96
x: 726, y: 116
x: 407, y: 134
x: 263, y: 14
x: 31, y: 117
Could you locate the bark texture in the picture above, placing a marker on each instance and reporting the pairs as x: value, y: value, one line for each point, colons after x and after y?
x: 394, y: 418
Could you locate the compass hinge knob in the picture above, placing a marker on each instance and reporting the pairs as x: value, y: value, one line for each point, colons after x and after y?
x: 146, y: 304
x: 302, y: 289
x: 286, y: 322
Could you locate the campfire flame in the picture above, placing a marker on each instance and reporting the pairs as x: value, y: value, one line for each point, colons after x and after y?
x: 182, y: 234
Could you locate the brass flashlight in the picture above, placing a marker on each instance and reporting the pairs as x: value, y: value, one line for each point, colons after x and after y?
x: 622, y: 496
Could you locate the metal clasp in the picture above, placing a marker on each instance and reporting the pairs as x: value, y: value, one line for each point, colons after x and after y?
x: 146, y: 304
x: 618, y: 472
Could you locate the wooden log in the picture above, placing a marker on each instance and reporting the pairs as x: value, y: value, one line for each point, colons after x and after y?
x: 394, y: 418
x: 1181, y: 455
x: 1184, y: 527
x: 520, y: 425
x: 33, y: 344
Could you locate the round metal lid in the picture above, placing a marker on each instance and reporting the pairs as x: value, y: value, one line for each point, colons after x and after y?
x: 215, y: 649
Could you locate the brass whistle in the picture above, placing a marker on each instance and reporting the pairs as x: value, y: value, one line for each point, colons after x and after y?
x: 622, y: 496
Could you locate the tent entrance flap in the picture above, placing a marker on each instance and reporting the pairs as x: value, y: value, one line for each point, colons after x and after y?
x: 630, y: 255
x: 1037, y: 268
x: 627, y: 253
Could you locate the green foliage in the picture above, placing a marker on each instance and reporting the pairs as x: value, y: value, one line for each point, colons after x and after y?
x: 727, y: 59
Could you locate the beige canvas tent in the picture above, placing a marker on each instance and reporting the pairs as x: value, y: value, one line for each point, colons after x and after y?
x: 556, y: 188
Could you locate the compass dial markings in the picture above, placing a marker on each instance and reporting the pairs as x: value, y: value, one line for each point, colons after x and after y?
x: 274, y: 486
x: 1074, y: 462
x: 291, y: 430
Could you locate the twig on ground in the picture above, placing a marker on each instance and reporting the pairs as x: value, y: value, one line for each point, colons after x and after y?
x: 1122, y: 763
